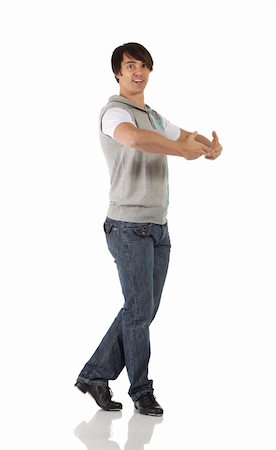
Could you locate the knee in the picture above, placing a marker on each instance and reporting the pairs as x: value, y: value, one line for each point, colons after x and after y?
x: 139, y: 315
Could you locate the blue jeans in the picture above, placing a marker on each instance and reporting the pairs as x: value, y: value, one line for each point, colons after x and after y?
x: 141, y: 252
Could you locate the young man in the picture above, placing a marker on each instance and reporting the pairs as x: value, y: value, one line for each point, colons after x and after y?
x: 136, y: 141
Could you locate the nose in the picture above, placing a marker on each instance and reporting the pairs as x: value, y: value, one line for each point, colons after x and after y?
x: 139, y: 72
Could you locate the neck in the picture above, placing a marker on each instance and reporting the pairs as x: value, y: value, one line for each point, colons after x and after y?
x: 138, y: 99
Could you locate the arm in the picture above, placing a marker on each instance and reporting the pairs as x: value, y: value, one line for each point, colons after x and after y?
x: 153, y: 142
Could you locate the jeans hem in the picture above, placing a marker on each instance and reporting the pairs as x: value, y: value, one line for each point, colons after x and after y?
x: 91, y: 382
x: 139, y: 394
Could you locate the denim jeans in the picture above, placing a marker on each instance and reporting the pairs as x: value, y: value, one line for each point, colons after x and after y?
x: 141, y: 252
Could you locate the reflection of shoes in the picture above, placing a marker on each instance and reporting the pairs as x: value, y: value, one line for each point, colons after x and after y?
x: 101, y: 393
x: 140, y: 430
x: 96, y: 433
x: 148, y: 405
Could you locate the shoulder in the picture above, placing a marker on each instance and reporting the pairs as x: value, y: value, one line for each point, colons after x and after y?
x: 116, y: 113
x: 113, y: 117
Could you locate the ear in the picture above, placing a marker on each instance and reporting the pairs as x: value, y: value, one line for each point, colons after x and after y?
x: 118, y: 75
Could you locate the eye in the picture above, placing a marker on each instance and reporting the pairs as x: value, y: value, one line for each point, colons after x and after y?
x: 130, y: 66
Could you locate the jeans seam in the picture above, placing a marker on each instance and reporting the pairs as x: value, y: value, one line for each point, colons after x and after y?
x: 129, y: 270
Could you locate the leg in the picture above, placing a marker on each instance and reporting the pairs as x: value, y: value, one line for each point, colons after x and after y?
x: 108, y: 360
x: 129, y: 252
x: 135, y: 267
x: 142, y: 257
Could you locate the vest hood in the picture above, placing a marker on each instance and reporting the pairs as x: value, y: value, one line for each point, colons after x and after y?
x: 126, y: 101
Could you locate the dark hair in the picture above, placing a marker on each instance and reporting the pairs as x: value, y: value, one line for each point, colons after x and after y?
x: 136, y: 51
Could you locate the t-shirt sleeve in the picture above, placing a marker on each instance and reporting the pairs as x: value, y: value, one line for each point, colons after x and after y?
x: 172, y: 131
x: 112, y: 118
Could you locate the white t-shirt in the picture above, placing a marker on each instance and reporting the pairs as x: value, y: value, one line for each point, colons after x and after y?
x: 114, y: 116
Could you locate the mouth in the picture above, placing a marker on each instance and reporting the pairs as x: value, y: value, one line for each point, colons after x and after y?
x: 138, y: 80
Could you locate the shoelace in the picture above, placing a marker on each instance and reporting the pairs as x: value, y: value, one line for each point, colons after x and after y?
x: 150, y: 399
x: 108, y: 394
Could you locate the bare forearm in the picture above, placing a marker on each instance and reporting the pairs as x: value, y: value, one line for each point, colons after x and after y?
x: 153, y: 142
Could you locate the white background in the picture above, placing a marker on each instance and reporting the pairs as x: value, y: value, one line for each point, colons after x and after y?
x: 213, y: 348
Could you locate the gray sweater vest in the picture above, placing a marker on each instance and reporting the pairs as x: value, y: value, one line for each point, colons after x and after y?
x: 139, y: 180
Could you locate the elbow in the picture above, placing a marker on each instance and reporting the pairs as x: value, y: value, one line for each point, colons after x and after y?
x: 129, y: 139
x: 134, y: 139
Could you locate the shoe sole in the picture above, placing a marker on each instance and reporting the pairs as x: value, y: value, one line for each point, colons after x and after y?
x: 148, y: 414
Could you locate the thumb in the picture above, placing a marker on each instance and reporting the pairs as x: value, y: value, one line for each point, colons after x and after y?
x: 214, y: 134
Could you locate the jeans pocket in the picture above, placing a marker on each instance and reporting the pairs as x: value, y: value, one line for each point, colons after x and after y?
x: 112, y: 238
x: 136, y: 233
x: 107, y: 227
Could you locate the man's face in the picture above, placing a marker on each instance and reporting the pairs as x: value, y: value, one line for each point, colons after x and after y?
x: 134, y: 75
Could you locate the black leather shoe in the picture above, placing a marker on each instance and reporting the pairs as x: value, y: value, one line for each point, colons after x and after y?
x: 148, y: 405
x: 102, y: 395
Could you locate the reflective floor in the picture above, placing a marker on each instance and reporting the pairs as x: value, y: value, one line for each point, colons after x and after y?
x: 97, y: 433
x: 60, y: 417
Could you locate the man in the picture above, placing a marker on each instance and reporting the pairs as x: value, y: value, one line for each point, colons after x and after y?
x: 136, y: 141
